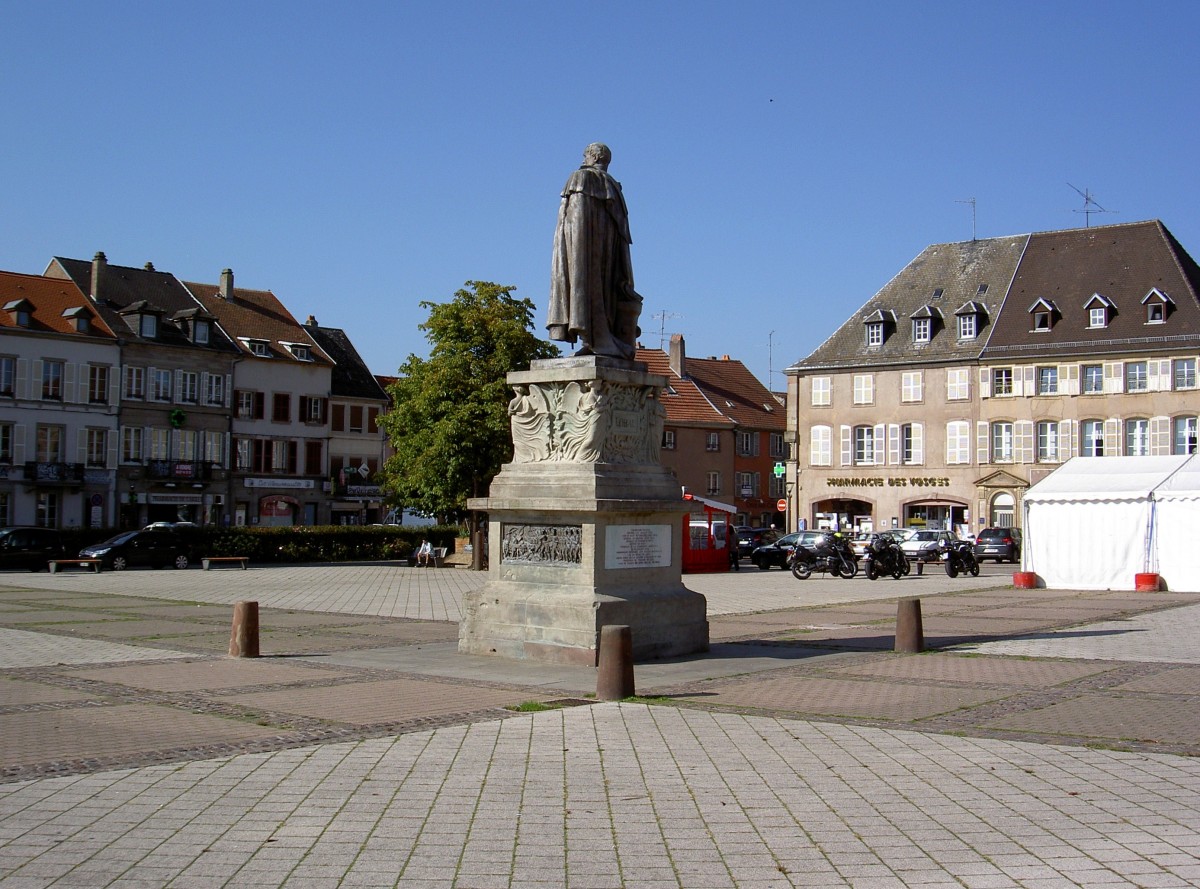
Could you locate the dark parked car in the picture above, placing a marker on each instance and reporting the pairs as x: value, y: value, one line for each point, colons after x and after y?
x: 156, y: 549
x: 750, y: 539
x: 777, y: 553
x: 30, y: 548
x: 1001, y: 544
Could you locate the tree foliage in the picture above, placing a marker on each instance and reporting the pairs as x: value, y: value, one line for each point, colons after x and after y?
x: 449, y: 421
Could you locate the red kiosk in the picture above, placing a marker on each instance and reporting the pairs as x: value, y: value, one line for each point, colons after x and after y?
x: 706, y: 536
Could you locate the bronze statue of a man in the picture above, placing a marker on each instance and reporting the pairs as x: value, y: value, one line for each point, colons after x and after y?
x: 591, y: 282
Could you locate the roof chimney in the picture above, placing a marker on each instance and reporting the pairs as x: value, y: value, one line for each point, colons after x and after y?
x: 311, y: 322
x: 226, y: 289
x: 150, y: 267
x: 99, y: 264
x: 678, y: 356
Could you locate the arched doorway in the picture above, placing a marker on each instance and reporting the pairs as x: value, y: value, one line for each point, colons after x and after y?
x: 278, y: 509
x: 1003, y: 511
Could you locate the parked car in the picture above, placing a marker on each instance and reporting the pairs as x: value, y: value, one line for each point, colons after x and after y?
x: 750, y: 539
x: 778, y: 553
x: 924, y: 545
x: 131, y: 549
x: 30, y: 548
x: 1001, y: 544
x: 859, y: 543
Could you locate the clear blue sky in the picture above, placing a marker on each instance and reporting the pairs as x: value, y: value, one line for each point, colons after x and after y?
x: 781, y: 161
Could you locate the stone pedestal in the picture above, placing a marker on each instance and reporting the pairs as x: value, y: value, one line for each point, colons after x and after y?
x: 585, y: 525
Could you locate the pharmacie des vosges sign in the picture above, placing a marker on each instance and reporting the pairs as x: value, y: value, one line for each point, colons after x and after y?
x: 898, y: 481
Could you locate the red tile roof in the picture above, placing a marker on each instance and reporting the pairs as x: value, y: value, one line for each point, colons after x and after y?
x: 257, y: 315
x: 716, y: 392
x: 49, y: 298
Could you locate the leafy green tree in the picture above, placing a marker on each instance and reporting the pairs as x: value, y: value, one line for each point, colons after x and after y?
x: 449, y: 421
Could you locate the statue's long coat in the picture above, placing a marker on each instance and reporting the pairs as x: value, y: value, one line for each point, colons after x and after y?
x: 592, y: 271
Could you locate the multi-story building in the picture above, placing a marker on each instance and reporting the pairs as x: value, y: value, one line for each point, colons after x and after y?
x: 174, y: 389
x: 724, y: 432
x: 356, y: 443
x: 59, y: 371
x: 280, y: 408
x: 984, y: 364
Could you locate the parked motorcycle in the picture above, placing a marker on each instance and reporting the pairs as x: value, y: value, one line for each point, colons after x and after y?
x: 830, y: 555
x: 959, y: 556
x: 884, y: 556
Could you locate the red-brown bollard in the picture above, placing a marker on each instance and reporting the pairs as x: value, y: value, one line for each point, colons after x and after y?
x: 477, y: 551
x: 243, y: 640
x: 910, y: 637
x: 1146, y: 583
x: 614, y: 676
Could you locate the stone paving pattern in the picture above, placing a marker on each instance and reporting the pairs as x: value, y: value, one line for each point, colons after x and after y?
x: 1050, y: 739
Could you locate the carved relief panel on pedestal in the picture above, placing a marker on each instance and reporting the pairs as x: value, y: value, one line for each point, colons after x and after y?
x: 590, y: 422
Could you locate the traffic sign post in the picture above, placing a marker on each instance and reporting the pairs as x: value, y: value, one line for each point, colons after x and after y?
x: 781, y: 505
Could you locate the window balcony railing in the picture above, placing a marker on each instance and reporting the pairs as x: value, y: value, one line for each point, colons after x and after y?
x: 55, y: 473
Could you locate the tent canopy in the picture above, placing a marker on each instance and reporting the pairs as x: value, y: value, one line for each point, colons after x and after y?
x: 1105, y: 478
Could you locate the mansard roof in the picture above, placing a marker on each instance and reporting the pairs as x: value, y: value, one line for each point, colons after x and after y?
x: 717, y: 392
x: 1122, y: 264
x: 942, y: 279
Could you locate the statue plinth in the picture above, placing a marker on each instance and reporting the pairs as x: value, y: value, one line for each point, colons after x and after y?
x: 585, y: 525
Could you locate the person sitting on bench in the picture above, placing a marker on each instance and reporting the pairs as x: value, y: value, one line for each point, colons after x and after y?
x: 425, y: 553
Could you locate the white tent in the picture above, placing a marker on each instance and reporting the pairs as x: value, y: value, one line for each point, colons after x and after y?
x: 1177, y: 528
x: 1096, y: 522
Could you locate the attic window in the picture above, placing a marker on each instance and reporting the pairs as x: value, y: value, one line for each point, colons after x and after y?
x: 200, y: 332
x: 937, y: 292
x: 148, y: 326
x: 1042, y: 314
x: 1158, y: 306
x: 768, y: 408
x: 922, y: 330
x: 982, y: 290
x: 299, y: 351
x: 21, y: 311
x: 1041, y: 321
x: 258, y: 348
x: 875, y: 334
x: 1100, y: 310
x: 80, y: 319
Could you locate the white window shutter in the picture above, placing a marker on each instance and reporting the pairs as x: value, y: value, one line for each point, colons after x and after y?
x: 1158, y: 375
x: 1160, y: 436
x: 177, y: 390
x: 814, y: 446
x: 847, y: 445
x: 985, y: 382
x: 114, y: 444
x: 114, y: 386
x: 1068, y: 439
x: 1068, y: 379
x: 1023, y: 433
x: 18, y: 455
x: 1030, y: 381
x: 81, y: 445
x: 1114, y: 380
x: 21, y: 390
x: 175, y: 446
x: 1018, y: 382
x: 918, y: 443
x: 893, y: 443
x: 68, y: 391
x: 35, y: 378
x: 982, y: 442
x: 878, y: 444
x: 1112, y: 437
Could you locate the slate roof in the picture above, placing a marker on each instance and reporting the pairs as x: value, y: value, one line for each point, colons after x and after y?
x: 957, y: 271
x: 350, y: 377
x: 122, y: 286
x: 48, y: 298
x: 258, y: 315
x: 720, y: 392
x: 1122, y: 264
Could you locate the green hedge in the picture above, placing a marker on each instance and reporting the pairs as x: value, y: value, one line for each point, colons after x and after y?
x: 304, y: 543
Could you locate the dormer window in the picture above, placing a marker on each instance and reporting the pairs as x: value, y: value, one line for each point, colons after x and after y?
x: 21, y: 311
x: 1158, y: 306
x: 300, y: 351
x: 877, y: 324
x: 80, y: 320
x: 148, y: 326
x: 968, y: 315
x: 200, y: 330
x: 1100, y: 311
x: 1042, y: 313
x: 922, y: 324
x: 259, y: 348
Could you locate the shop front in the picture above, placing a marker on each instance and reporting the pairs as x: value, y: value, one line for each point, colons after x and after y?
x: 273, y: 507
x: 877, y: 502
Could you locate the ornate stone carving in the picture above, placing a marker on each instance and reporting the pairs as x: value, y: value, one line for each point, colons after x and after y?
x: 549, y: 545
x: 591, y: 422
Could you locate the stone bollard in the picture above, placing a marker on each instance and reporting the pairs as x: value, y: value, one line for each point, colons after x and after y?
x: 243, y: 640
x: 614, y: 675
x: 910, y: 637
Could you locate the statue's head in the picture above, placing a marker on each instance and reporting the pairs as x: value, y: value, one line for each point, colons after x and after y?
x: 597, y: 155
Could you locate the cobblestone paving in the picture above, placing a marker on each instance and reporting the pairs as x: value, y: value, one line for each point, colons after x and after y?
x: 620, y: 795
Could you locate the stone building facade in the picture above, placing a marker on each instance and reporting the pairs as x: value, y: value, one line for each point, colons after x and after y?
x: 985, y: 364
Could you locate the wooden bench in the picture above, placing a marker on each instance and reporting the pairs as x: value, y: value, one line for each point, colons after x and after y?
x: 207, y: 561
x: 94, y: 564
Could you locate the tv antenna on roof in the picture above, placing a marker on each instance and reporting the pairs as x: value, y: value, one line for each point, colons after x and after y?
x: 970, y: 201
x: 1089, y: 206
x: 662, y: 326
